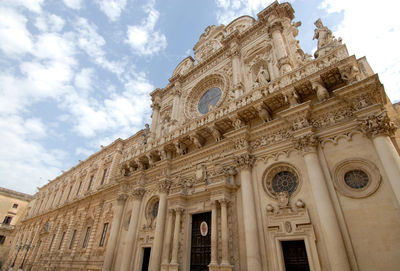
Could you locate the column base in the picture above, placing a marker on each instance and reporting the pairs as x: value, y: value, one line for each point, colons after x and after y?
x: 164, y: 267
x: 173, y: 267
x: 213, y: 267
x: 225, y: 267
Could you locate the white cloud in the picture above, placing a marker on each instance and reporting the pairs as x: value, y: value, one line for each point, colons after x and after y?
x: 15, y: 39
x: 74, y: 4
x: 24, y: 163
x: 50, y: 22
x: 92, y: 43
x: 83, y: 79
x: 112, y: 8
x: 31, y: 5
x: 231, y: 9
x: 143, y: 38
x: 372, y: 31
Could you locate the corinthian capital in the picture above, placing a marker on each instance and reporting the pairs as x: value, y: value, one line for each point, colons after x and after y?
x: 306, y: 144
x: 245, y: 161
x: 375, y: 125
x: 164, y: 185
x: 138, y: 193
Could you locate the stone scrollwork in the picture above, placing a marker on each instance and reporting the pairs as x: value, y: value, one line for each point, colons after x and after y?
x: 245, y: 161
x: 375, y: 125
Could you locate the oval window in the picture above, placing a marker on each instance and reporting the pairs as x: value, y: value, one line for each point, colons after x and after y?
x: 209, y: 99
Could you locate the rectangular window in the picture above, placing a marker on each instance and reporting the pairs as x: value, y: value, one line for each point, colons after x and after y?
x: 69, y: 193
x: 7, y: 220
x: 90, y: 182
x: 85, y: 241
x: 103, y: 235
x: 104, y: 176
x: 2, y: 239
x: 61, y: 241
x: 72, y: 239
x: 79, y: 188
x: 15, y: 205
x: 52, y: 240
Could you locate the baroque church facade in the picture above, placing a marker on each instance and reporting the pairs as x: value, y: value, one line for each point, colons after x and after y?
x: 258, y: 157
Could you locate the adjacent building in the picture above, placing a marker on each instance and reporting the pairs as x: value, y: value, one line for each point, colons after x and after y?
x: 259, y: 157
x: 13, y: 206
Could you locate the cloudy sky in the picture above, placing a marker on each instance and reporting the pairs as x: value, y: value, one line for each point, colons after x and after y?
x: 76, y: 74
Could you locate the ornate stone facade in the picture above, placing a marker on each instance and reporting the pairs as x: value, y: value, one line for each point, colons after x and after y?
x: 287, y: 153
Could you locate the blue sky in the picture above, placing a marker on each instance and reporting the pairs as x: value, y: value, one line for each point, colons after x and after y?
x: 76, y: 74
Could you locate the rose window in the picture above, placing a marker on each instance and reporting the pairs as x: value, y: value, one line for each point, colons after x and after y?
x: 284, y: 181
x: 356, y: 179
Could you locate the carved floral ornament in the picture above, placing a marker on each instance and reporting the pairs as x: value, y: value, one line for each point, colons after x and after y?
x: 356, y: 178
x: 375, y: 125
x: 306, y: 143
x: 245, y: 161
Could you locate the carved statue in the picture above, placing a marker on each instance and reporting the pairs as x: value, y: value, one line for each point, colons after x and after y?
x: 146, y: 133
x: 326, y: 41
x: 263, y: 76
x: 322, y: 33
x: 350, y: 74
x: 322, y: 92
x: 292, y: 98
x: 263, y: 113
x: 216, y: 133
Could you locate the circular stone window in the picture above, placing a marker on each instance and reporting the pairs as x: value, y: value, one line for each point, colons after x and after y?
x: 209, y: 100
x: 284, y: 181
x: 356, y: 178
x: 280, y: 178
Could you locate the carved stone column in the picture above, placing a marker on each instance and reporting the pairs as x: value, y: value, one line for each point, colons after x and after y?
x: 167, y: 243
x: 236, y: 65
x: 112, y: 240
x: 176, y: 103
x: 94, y: 228
x: 154, y: 119
x: 175, y: 247
x: 114, y: 164
x: 224, y: 233
x: 283, y: 61
x: 330, y: 229
x: 69, y: 230
x: 380, y: 129
x: 245, y: 163
x: 156, y: 251
x: 214, y: 235
x: 137, y: 196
